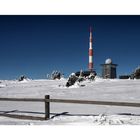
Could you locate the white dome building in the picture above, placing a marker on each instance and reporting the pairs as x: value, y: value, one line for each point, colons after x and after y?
x: 109, y: 69
x: 108, y: 61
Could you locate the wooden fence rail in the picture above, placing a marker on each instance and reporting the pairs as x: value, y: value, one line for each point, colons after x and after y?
x: 47, y: 101
x: 94, y: 102
x: 23, y: 99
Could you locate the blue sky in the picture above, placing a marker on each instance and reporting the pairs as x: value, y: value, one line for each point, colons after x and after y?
x: 37, y: 45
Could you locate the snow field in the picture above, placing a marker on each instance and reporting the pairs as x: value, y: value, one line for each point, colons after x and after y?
x: 100, y: 89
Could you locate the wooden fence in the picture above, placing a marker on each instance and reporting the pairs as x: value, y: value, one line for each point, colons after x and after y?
x: 47, y: 101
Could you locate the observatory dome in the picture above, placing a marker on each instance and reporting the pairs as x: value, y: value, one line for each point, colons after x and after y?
x: 108, y: 61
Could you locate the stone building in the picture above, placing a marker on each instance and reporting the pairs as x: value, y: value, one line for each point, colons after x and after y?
x: 109, y: 69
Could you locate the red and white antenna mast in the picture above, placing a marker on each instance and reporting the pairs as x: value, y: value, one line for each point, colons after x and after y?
x: 90, y: 66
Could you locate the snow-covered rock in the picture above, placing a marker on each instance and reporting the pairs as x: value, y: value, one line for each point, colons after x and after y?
x: 2, y: 85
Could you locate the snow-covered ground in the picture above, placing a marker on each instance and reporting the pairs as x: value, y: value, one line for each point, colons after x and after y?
x: 100, y: 89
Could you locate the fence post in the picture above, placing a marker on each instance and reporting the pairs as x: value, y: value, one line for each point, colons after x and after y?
x: 47, y: 107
